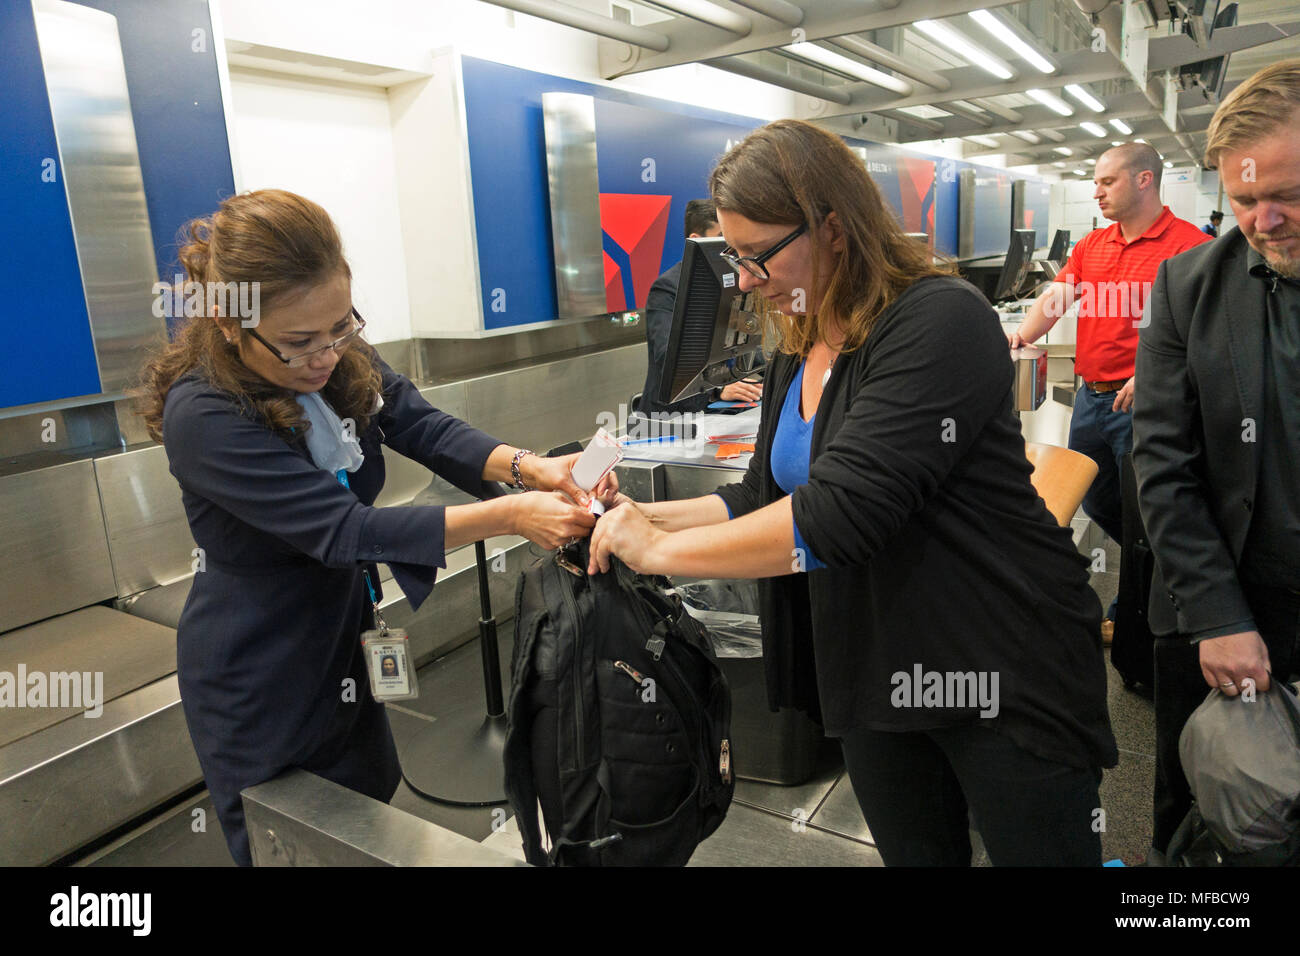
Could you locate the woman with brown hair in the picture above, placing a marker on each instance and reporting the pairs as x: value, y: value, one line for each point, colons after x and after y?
x: 272, y: 425
x: 916, y: 596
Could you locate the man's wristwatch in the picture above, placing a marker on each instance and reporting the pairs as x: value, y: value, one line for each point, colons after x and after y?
x: 514, y: 468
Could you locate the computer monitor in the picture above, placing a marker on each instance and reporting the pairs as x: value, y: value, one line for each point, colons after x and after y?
x: 1020, y: 256
x: 1210, y: 73
x: 1060, y: 249
x: 714, y: 339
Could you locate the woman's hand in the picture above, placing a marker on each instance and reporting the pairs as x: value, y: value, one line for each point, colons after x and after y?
x: 627, y: 534
x: 548, y: 518
x: 556, y: 474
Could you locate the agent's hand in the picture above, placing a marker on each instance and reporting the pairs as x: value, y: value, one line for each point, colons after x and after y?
x: 553, y: 474
x: 1016, y: 341
x: 1230, y: 661
x: 627, y: 534
x: 556, y: 474
x: 1123, y: 398
x: 549, y: 519
x: 742, y: 392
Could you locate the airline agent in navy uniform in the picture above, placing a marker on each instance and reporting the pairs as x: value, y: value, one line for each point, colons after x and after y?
x: 255, y: 422
x: 889, y: 466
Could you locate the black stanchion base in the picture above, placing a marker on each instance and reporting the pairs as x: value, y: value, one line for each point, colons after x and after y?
x: 458, y: 759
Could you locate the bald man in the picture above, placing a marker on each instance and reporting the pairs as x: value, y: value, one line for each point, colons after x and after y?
x: 1109, y: 274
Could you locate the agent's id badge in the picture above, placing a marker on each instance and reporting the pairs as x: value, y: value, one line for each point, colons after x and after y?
x: 388, y: 659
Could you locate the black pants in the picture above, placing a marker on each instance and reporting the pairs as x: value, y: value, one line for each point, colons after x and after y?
x: 1180, y: 689
x: 916, y: 790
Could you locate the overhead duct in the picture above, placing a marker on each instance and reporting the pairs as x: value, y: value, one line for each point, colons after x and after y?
x: 764, y: 75
x: 778, y: 10
x: 878, y: 54
x: 582, y: 20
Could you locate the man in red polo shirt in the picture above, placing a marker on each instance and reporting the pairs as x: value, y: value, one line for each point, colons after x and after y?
x: 1109, y: 274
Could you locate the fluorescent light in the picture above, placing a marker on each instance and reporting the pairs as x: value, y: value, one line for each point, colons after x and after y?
x: 1122, y: 127
x: 1086, y: 98
x: 968, y: 51
x: 1091, y: 162
x: 1027, y: 136
x: 1168, y: 165
x: 1011, y: 40
x: 1063, y: 150
x: 1059, y: 165
x: 924, y: 111
x: 1081, y: 172
x: 1094, y: 129
x: 842, y: 64
x: 1139, y: 140
x: 988, y: 141
x: 1117, y: 142
x: 1052, y: 102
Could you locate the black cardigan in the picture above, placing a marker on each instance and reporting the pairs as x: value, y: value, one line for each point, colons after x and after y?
x: 939, y: 552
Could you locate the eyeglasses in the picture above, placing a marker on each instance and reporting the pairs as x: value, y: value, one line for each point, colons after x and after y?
x: 754, y: 264
x: 302, y: 358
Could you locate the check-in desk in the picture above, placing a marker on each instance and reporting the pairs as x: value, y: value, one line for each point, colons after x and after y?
x: 770, y: 747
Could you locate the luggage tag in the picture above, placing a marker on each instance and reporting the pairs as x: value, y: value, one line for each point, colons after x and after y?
x: 388, y: 658
x: 596, y: 461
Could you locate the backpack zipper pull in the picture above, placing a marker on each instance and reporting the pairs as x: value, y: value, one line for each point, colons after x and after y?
x: 629, y: 671
x: 724, y: 761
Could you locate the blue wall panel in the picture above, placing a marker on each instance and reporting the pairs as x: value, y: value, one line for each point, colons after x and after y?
x: 48, y: 352
x: 184, y: 161
x: 507, y: 152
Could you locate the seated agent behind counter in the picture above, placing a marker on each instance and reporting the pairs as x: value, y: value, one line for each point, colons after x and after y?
x: 889, y: 463
x: 701, y: 222
x: 269, y: 655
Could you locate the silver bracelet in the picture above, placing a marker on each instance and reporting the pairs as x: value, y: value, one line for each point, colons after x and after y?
x: 514, y: 468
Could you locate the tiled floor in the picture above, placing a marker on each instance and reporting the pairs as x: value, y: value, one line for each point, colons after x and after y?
x: 816, y: 823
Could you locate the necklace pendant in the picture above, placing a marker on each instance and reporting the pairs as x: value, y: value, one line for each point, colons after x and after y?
x: 826, y: 377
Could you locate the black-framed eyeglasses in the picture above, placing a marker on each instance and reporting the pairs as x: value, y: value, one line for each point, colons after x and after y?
x: 302, y: 358
x: 754, y: 264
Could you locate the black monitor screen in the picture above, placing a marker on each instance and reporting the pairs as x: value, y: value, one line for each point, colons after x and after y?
x: 1060, y: 247
x: 1020, y: 256
x: 714, y: 341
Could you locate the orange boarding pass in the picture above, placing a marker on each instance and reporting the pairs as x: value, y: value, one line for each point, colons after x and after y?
x: 733, y: 450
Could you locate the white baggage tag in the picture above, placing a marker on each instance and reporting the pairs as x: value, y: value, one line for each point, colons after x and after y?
x: 597, y: 461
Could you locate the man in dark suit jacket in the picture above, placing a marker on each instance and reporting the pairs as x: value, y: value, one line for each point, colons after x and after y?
x: 701, y: 222
x: 1215, y: 425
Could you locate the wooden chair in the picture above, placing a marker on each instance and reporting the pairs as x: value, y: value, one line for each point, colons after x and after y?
x: 1061, y: 477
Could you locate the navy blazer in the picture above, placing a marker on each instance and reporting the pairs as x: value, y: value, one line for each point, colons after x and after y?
x: 271, y: 630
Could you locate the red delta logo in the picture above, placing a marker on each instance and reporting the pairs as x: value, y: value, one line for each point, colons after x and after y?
x: 633, y: 228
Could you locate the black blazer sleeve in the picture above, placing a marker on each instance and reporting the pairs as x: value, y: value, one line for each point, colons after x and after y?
x: 937, y: 371
x: 1169, y: 460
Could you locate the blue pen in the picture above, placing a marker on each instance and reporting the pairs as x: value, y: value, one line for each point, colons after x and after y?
x: 647, y: 441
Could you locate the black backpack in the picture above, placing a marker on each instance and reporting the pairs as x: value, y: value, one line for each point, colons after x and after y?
x: 619, y: 718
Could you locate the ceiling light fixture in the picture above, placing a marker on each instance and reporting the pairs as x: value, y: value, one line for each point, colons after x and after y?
x: 1052, y: 102
x: 1084, y: 97
x: 1027, y: 136
x: 1063, y: 150
x: 849, y: 67
x: 988, y: 141
x: 1011, y: 40
x: 968, y: 51
x: 1094, y: 129
x: 1121, y: 127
